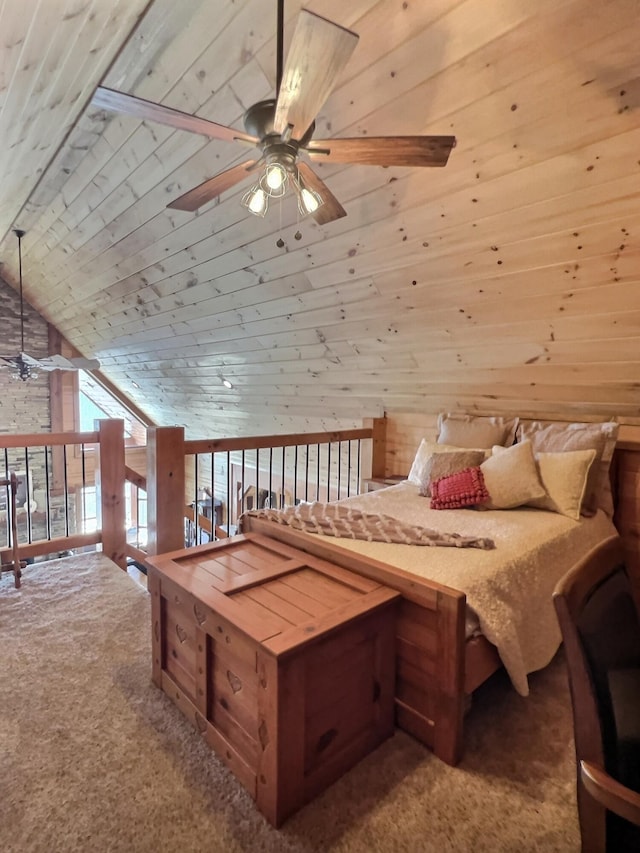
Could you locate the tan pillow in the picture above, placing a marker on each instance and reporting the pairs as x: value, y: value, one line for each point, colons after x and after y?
x: 511, y: 476
x: 475, y: 430
x: 555, y: 437
x: 564, y: 477
x: 444, y: 464
x: 423, y: 453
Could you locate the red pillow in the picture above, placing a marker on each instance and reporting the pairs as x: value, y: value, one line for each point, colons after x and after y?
x: 466, y: 488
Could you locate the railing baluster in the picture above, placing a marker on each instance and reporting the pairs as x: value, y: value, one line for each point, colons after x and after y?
x: 358, y: 471
x: 242, y: 506
x: 213, y: 496
x: 66, y: 489
x: 28, y: 495
x: 7, y: 489
x: 196, y: 513
x: 271, y: 476
x: 257, y: 501
x: 283, y: 476
x: 328, y: 471
x: 295, y: 475
x: 318, y: 472
x: 84, y: 492
x: 349, y: 468
x: 339, y: 465
x: 47, y: 499
x: 228, y: 492
x: 306, y: 475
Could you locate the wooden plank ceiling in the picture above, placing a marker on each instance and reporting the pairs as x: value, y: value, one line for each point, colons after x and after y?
x: 506, y: 281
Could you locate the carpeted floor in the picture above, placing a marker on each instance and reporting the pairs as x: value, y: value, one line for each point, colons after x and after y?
x: 94, y: 758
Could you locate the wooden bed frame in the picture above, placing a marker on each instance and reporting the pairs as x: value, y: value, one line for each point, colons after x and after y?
x: 437, y: 669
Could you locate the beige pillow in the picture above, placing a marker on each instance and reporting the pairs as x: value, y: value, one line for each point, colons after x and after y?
x: 424, y: 452
x: 564, y: 477
x: 511, y: 476
x: 475, y: 430
x: 556, y: 437
x: 443, y: 464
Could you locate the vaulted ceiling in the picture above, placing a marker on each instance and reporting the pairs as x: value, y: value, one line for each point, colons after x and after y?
x: 506, y: 281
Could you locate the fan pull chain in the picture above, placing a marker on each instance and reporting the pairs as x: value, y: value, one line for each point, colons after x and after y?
x: 280, y: 241
x: 297, y: 235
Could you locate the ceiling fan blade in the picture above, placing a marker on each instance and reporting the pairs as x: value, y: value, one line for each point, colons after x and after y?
x: 319, y: 51
x: 331, y: 209
x: 55, y: 362
x: 120, y: 102
x: 384, y: 150
x: 208, y: 190
x: 60, y: 362
x: 28, y: 359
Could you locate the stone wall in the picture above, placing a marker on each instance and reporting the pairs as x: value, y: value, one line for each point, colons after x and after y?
x: 24, y: 406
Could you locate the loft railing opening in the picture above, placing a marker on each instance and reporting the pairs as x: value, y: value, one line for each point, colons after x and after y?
x: 85, y: 490
x: 276, y: 472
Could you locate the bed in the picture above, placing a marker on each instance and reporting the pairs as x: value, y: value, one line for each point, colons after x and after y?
x: 465, y: 611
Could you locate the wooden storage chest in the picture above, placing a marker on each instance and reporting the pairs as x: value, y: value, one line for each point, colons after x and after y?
x: 283, y: 662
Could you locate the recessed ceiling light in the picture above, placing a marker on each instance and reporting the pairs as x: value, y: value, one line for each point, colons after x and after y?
x: 226, y: 383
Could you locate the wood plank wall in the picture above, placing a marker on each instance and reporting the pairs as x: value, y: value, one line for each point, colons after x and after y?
x: 405, y: 431
x: 506, y: 281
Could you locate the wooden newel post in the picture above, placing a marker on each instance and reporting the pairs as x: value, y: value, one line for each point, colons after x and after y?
x: 374, y: 465
x: 165, y: 489
x: 110, y: 483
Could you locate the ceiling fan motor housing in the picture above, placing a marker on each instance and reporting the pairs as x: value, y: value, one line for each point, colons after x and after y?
x: 259, y: 121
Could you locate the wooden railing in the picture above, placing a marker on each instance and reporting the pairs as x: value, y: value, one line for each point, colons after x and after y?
x: 226, y: 477
x: 320, y: 466
x: 55, y: 470
x: 238, y: 473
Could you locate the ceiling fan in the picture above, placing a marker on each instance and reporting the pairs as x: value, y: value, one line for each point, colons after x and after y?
x: 282, y: 128
x: 25, y: 366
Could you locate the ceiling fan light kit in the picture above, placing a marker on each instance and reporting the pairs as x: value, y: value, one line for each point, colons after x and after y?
x: 273, y: 184
x: 282, y: 128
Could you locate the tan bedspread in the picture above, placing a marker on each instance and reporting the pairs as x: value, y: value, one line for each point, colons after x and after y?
x: 509, y: 588
x: 340, y: 520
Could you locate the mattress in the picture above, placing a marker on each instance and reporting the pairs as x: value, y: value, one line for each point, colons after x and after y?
x: 508, y: 589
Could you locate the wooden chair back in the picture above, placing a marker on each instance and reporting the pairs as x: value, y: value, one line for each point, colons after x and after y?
x: 601, y: 633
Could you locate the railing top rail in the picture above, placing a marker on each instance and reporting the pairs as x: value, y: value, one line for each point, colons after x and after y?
x: 132, y: 476
x: 48, y: 439
x: 263, y: 441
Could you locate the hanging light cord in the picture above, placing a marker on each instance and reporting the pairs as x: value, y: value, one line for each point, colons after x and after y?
x: 280, y: 48
x: 20, y: 234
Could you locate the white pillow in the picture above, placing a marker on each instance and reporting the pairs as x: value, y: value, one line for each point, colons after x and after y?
x: 557, y: 437
x: 511, y: 477
x: 564, y: 476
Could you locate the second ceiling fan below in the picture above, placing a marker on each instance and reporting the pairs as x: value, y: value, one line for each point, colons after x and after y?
x: 282, y: 128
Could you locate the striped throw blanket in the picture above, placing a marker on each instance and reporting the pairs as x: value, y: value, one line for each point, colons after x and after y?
x: 342, y: 521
